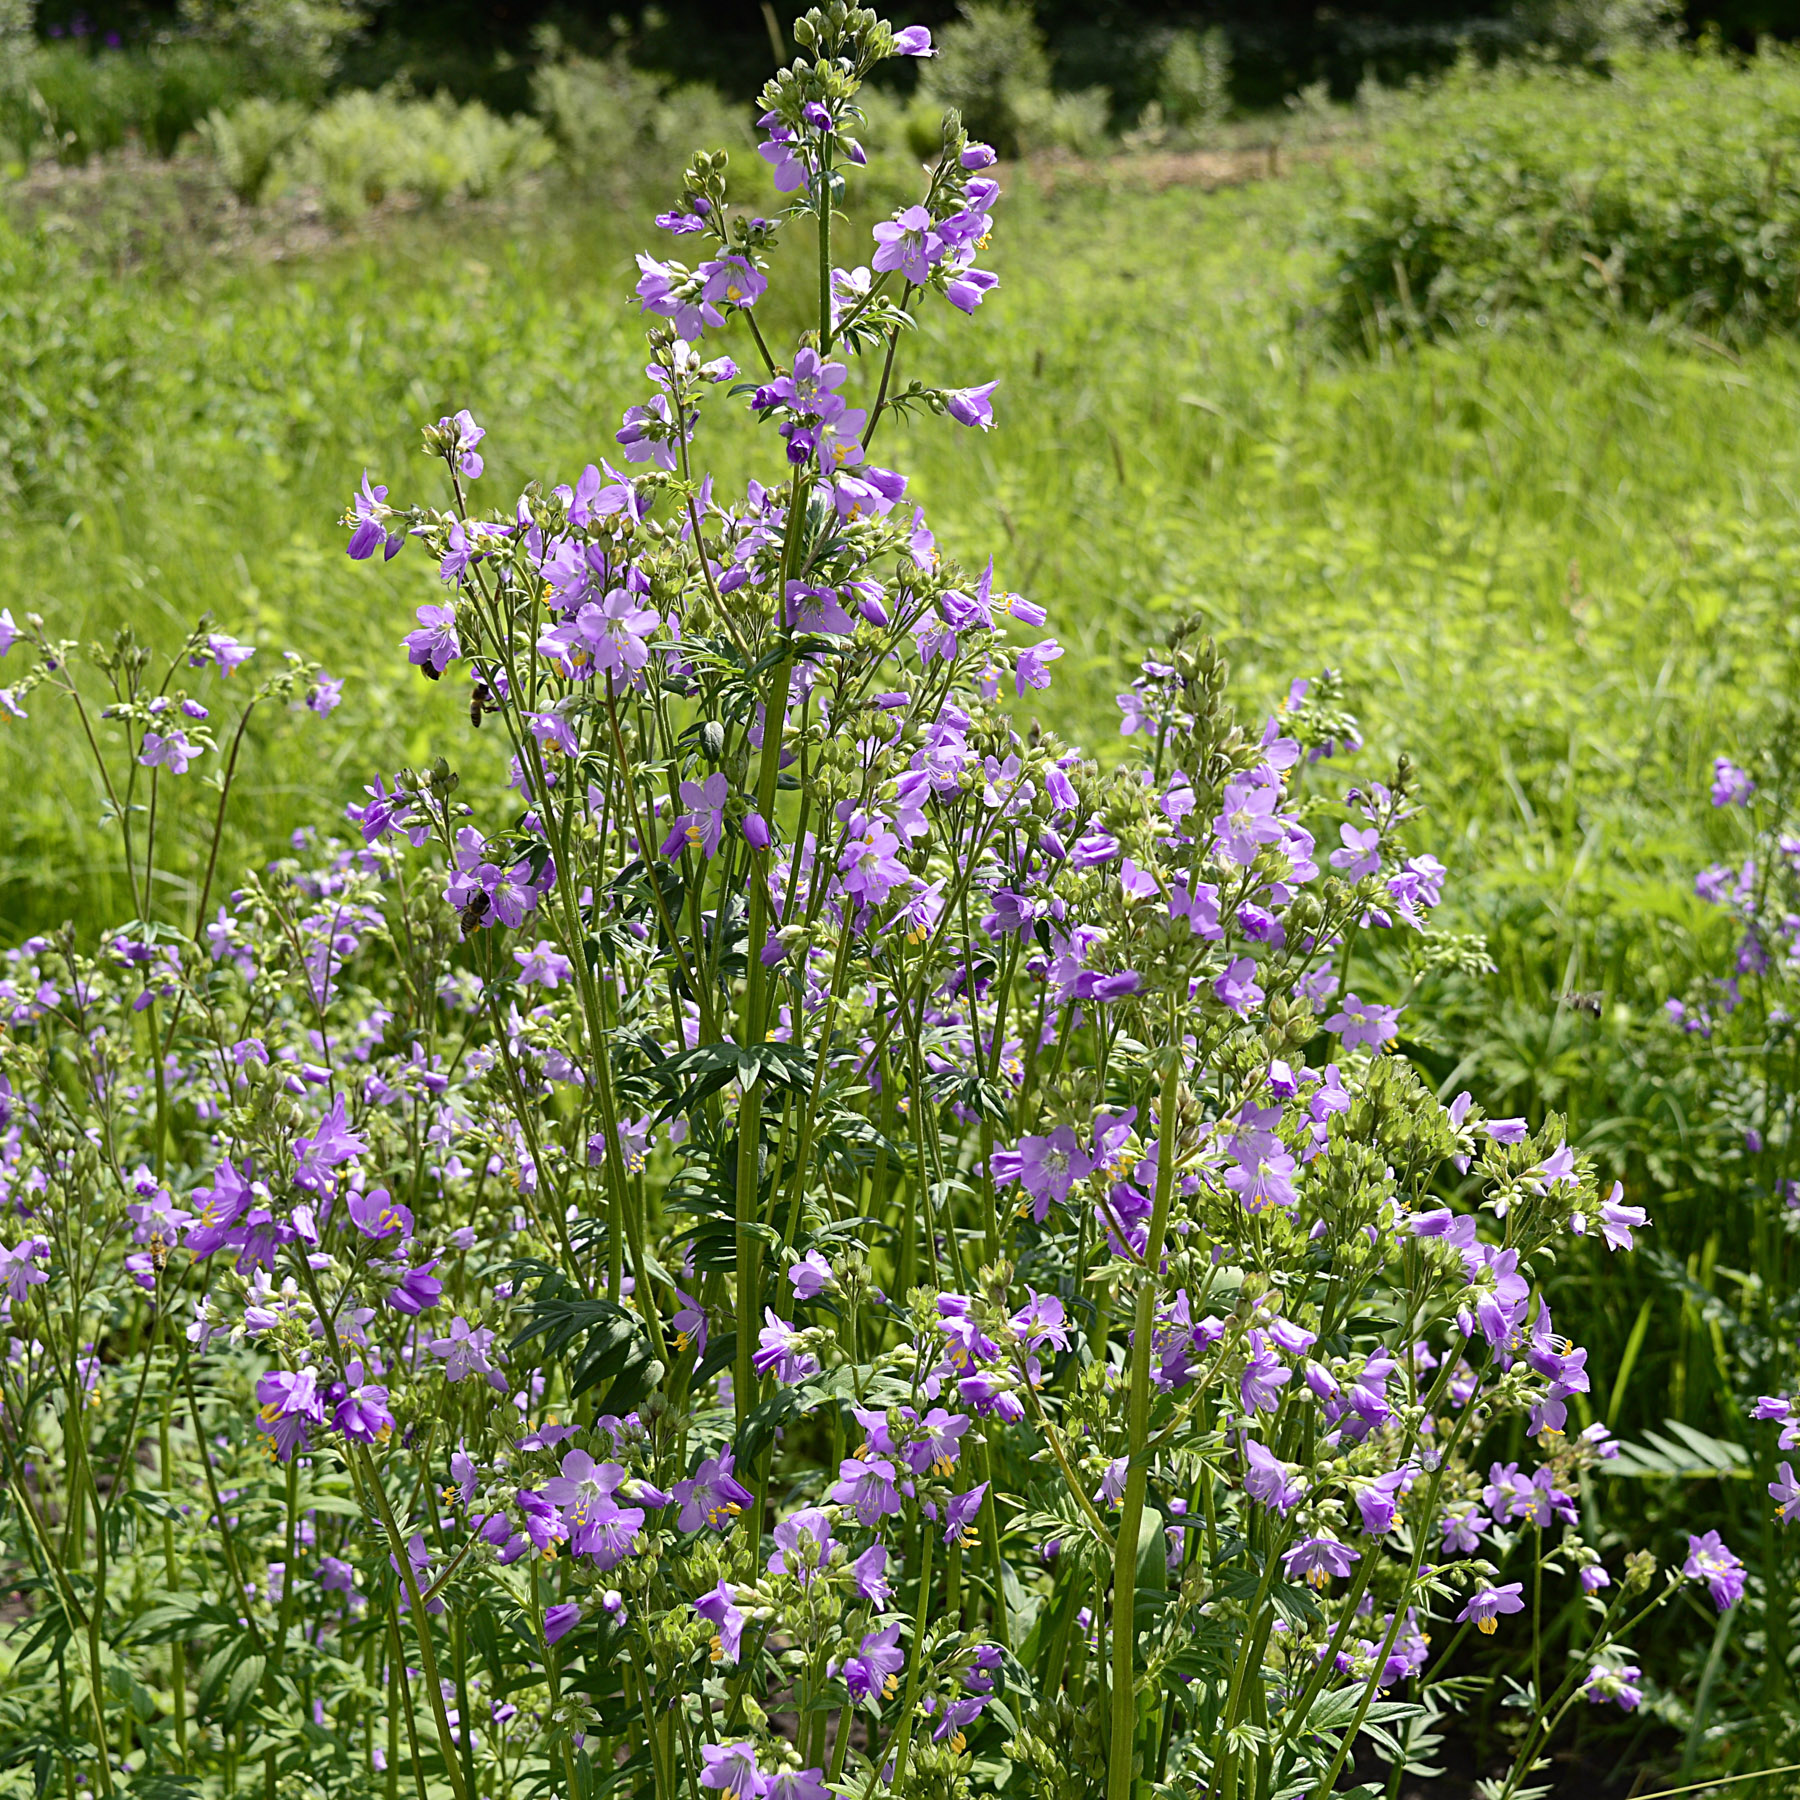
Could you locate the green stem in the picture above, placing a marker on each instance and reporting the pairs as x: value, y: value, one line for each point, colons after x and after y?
x: 1137, y: 1473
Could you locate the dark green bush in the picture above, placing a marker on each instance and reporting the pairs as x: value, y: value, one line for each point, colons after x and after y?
x: 1669, y: 189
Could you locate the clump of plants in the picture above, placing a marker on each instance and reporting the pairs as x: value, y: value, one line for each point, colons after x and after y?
x: 814, y: 1240
x: 1661, y: 189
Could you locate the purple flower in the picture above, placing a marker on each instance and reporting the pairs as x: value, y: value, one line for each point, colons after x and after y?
x: 1265, y: 1375
x: 1031, y: 668
x: 435, y: 645
x: 1617, y: 1685
x: 226, y: 653
x: 1042, y: 1320
x: 713, y: 1497
x: 966, y: 289
x: 559, y: 1621
x: 1499, y: 1289
x: 972, y: 406
x: 1730, y: 785
x: 956, y: 1715
x: 1617, y: 1222
x: 1361, y: 854
x: 1267, y: 1480
x: 780, y: 1351
x: 543, y: 965
x: 362, y: 1410
x: 915, y: 40
x: 333, y: 1144
x: 377, y: 1214
x: 731, y: 1768
x: 703, y: 824
x: 1462, y: 1526
x: 418, y: 1291
x: 811, y: 1276
x: 719, y: 1608
x: 809, y: 1525
x: 1364, y: 1022
x: 867, y: 1487
x: 797, y: 1784
x: 1488, y: 1602
x: 1050, y: 1166
x: 1378, y: 1500
x: 464, y: 1350
x: 1708, y: 1560
x: 221, y: 1206
x: 1237, y: 987
x: 690, y: 1323
x: 959, y: 1515
x: 733, y: 280
x: 1785, y: 1492
x: 1319, y: 1560
x: 369, y: 533
x: 289, y: 1404
x: 908, y: 242
x: 873, y: 1674
x: 1263, y: 1175
x: 170, y: 750
x: 598, y: 1527
x: 869, y: 1572
x: 461, y: 434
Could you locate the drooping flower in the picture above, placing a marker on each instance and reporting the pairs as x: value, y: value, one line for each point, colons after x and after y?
x: 802, y: 1544
x: 1785, y: 1491
x: 869, y: 1572
x: 780, y: 1351
x: 712, y: 1497
x: 731, y: 1770
x: 868, y: 1487
x: 1710, y: 1561
x: 1268, y: 1480
x: 1619, y: 1685
x: 1485, y: 1606
x: 719, y: 1608
x: 873, y: 1674
x: 703, y: 824
x: 1617, y: 1222
x: 1319, y: 1560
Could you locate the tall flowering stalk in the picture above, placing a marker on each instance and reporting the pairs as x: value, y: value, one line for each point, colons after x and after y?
x: 819, y: 1241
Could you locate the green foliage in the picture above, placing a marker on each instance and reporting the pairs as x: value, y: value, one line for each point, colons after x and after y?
x: 248, y: 141
x: 1594, y: 30
x: 1667, y: 191
x: 1193, y: 82
x: 618, y: 129
x: 993, y: 68
x: 291, y: 45
x: 364, y: 147
x: 76, y: 103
